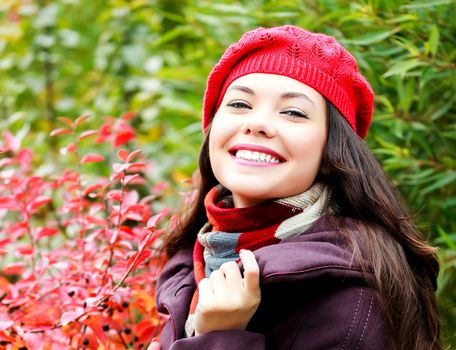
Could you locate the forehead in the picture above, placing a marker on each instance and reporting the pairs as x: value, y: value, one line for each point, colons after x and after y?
x: 273, y: 84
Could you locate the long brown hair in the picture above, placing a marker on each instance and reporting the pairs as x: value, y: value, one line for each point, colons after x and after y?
x: 404, y: 267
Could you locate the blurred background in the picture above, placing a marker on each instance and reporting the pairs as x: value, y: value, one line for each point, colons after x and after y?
x: 104, y: 58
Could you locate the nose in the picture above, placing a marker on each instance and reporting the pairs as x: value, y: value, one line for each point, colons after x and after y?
x: 258, y: 125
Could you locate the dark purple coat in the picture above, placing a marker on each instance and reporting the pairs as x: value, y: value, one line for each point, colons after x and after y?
x: 311, y: 298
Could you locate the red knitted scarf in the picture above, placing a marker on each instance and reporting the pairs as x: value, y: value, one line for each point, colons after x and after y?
x: 251, y: 228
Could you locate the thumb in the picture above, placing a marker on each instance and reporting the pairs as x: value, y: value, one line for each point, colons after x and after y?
x: 154, y: 345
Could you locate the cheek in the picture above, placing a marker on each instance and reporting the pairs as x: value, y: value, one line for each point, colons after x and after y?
x: 215, y: 150
x: 309, y: 143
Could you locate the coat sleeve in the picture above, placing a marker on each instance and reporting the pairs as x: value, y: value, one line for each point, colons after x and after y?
x: 349, y: 319
x: 222, y: 340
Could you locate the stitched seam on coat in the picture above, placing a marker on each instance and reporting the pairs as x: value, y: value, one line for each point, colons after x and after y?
x: 173, y: 324
x: 353, y: 320
x: 365, y: 323
x: 310, y: 270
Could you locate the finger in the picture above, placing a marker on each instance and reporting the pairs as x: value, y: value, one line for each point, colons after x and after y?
x: 218, y: 281
x: 251, y: 271
x: 232, y: 274
x: 155, y: 345
x: 205, y: 288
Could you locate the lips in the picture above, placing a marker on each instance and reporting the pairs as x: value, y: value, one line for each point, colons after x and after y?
x: 256, y: 153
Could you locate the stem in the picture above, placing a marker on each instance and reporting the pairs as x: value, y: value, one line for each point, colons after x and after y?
x: 81, y: 199
x: 111, y: 247
x: 57, y: 218
x: 133, y: 263
x: 122, y: 339
x: 49, y: 91
x: 100, y: 301
x: 26, y: 216
x: 32, y: 241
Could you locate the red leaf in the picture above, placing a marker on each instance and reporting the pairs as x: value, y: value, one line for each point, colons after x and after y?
x: 122, y: 154
x: 128, y: 178
x: 24, y: 156
x: 145, y: 330
x: 160, y: 187
x: 38, y: 202
x: 105, y: 133
x: 6, y: 337
x: 69, y: 316
x: 87, y: 134
x: 72, y: 147
x: 134, y: 167
x: 8, y: 203
x: 5, y: 241
x: 95, y: 323
x: 91, y: 158
x: 123, y: 137
x: 91, y: 340
x: 117, y: 176
x: 154, y: 220
x: 33, y: 341
x: 46, y: 232
x: 41, y: 318
x: 133, y: 155
x: 11, y: 142
x: 137, y: 258
x: 148, y: 238
x: 92, y: 188
x: 60, y: 131
x: 117, y: 167
x: 66, y: 121
x: 24, y: 250
x: 114, y: 235
x: 4, y: 324
x: 128, y: 115
x: 115, y: 195
x: 14, y: 268
x: 81, y: 119
x: 130, y: 198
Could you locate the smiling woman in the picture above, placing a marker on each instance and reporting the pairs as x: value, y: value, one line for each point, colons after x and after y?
x: 267, y: 138
x: 297, y: 239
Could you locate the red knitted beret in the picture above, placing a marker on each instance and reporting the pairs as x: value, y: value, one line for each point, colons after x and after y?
x: 314, y: 59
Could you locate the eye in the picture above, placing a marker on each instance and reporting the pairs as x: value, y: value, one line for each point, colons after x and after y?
x: 294, y: 113
x: 238, y: 105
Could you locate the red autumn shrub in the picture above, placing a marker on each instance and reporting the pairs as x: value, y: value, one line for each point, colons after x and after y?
x: 79, y: 252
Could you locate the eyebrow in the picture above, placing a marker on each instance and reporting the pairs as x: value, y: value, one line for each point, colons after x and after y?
x: 297, y: 95
x: 284, y: 95
x: 242, y: 88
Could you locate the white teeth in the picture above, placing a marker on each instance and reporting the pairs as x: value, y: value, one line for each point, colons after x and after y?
x: 256, y: 156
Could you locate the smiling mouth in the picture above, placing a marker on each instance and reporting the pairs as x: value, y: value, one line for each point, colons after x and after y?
x: 255, y: 156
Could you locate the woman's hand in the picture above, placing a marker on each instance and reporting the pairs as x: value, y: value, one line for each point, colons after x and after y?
x: 226, y: 299
x: 154, y: 345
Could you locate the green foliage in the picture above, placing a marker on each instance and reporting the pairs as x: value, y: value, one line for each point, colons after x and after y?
x: 152, y: 56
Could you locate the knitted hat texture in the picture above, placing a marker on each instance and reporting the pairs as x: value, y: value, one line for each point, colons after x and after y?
x: 314, y: 59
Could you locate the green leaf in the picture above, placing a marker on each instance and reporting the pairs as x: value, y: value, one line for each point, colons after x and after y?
x: 446, y: 238
x: 402, y: 67
x: 372, y: 37
x: 433, y: 41
x: 172, y: 35
x: 445, y: 179
x: 426, y: 4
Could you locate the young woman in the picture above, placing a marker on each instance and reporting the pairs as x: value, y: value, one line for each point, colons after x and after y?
x: 297, y: 239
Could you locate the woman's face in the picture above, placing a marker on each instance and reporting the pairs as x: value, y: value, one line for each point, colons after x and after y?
x: 267, y: 138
